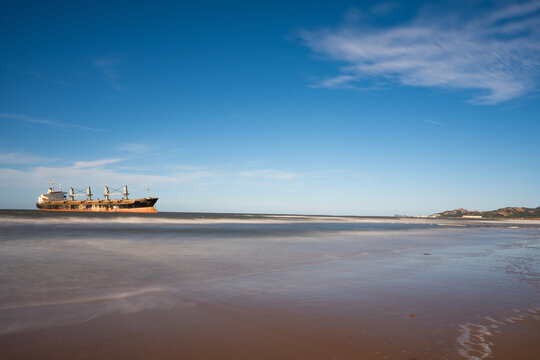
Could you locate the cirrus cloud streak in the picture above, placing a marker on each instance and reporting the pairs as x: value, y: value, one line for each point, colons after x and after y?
x: 496, y: 52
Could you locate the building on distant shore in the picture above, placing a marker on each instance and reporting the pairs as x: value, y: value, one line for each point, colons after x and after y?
x: 472, y: 216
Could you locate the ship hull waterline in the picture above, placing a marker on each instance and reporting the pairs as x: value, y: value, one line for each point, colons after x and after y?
x: 145, y: 205
x: 133, y: 210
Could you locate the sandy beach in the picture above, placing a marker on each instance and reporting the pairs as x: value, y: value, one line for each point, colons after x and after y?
x: 340, y: 289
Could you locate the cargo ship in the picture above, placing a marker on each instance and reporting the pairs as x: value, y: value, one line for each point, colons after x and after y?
x: 56, y: 200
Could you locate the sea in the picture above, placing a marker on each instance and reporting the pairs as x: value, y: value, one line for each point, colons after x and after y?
x: 253, y: 286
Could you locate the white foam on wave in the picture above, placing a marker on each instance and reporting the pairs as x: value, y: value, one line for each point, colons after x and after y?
x: 30, y: 316
x: 266, y: 219
x: 474, y: 339
x: 492, y: 320
x: 248, y: 219
x: 88, y: 299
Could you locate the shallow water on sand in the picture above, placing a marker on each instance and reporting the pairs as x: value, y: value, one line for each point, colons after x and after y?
x: 214, y: 286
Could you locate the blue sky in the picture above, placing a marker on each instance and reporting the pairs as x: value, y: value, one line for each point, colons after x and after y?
x: 334, y: 107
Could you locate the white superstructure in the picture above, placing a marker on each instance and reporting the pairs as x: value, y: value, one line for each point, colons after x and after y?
x: 52, y: 195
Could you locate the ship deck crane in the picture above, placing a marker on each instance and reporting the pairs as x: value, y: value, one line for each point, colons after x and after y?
x: 124, y: 193
x: 72, y: 193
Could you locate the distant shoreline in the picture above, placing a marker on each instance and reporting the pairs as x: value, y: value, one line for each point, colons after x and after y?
x: 501, y: 213
x: 188, y: 218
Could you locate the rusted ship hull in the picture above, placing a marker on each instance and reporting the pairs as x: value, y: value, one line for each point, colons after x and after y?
x: 145, y: 205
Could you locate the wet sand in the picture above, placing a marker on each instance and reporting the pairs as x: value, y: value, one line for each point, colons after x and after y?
x: 227, y: 332
x: 251, y: 329
x: 519, y: 341
x: 457, y: 290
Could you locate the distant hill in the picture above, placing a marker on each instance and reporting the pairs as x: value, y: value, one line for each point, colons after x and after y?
x: 502, y: 213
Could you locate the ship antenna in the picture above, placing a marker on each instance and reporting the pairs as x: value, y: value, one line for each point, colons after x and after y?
x: 52, y: 185
x: 148, y: 191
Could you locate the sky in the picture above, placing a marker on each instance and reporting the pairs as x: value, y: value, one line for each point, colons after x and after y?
x: 310, y: 107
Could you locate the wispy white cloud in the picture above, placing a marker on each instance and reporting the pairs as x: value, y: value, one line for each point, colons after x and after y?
x: 83, y: 173
x: 21, y: 158
x: 337, y: 82
x: 496, y: 52
x: 107, y: 67
x: 95, y: 163
x: 37, y: 172
x: 433, y: 122
x: 37, y: 120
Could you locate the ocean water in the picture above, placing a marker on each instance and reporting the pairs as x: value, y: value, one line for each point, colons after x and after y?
x: 266, y: 286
